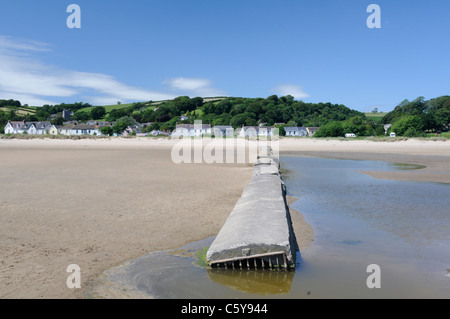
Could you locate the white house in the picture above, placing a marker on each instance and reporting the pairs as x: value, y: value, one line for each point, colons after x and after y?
x: 249, y: 131
x: 312, y: 130
x: 296, y: 131
x: 223, y: 131
x: 16, y: 127
x: 192, y: 130
x: 9, y: 128
x: 32, y: 130
x: 266, y: 131
x: 257, y: 131
x: 83, y: 129
x: 23, y: 127
x: 43, y: 128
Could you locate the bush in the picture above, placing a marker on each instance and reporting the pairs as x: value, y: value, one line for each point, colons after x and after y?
x: 409, y: 126
x: 413, y: 132
x: 332, y: 129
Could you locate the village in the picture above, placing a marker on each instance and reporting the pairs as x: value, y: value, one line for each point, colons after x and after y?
x: 95, y: 128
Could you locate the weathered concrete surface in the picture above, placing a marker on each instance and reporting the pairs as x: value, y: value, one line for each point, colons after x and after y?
x: 265, y: 160
x: 265, y: 170
x: 260, y: 221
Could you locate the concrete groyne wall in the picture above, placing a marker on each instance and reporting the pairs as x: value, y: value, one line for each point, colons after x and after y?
x: 258, y: 232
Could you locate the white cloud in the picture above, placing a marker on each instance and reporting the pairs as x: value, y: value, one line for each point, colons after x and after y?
x: 9, y: 44
x: 290, y: 89
x: 194, y: 87
x: 24, y: 77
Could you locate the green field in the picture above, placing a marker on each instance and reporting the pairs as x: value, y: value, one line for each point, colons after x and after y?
x: 108, y: 108
x: 377, y: 117
x: 19, y: 110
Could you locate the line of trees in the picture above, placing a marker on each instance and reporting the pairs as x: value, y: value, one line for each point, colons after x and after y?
x: 414, y: 118
x: 357, y: 125
x: 240, y: 111
x: 14, y: 103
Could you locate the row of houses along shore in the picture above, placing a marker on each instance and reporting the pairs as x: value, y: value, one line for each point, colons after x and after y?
x: 182, y: 130
x: 193, y: 130
x: 72, y: 128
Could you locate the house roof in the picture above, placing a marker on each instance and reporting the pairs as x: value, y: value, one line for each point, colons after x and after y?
x: 19, y: 125
x: 23, y: 125
x: 295, y: 128
x: 43, y: 125
x: 258, y: 128
x: 67, y: 127
x: 84, y: 127
x: 223, y: 128
x: 193, y: 126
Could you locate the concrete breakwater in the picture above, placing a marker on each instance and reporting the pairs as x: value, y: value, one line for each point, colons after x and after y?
x: 258, y: 233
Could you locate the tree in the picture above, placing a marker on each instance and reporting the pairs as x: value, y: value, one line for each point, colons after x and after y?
x: 332, y: 129
x: 184, y: 103
x: 442, y: 118
x: 98, y: 112
x: 57, y: 120
x: 81, y: 116
x: 238, y: 120
x: 122, y: 123
x: 273, y: 98
x: 271, y: 117
x: 410, y: 126
x: 42, y: 115
x: 358, y: 126
x: 107, y: 130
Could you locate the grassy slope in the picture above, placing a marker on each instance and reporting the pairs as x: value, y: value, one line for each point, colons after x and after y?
x: 19, y: 110
x: 375, y: 116
x: 108, y: 108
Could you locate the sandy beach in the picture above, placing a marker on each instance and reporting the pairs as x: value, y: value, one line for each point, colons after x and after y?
x: 100, y: 202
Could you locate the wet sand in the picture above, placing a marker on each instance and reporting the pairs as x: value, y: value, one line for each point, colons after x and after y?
x: 434, y: 155
x: 99, y: 203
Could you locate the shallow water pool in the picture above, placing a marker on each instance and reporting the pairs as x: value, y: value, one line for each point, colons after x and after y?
x: 403, y: 227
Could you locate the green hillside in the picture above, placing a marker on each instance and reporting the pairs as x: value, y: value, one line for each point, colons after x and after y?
x: 377, y: 117
x: 108, y: 108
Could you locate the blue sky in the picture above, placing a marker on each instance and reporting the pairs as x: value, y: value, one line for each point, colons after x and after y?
x: 136, y: 50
